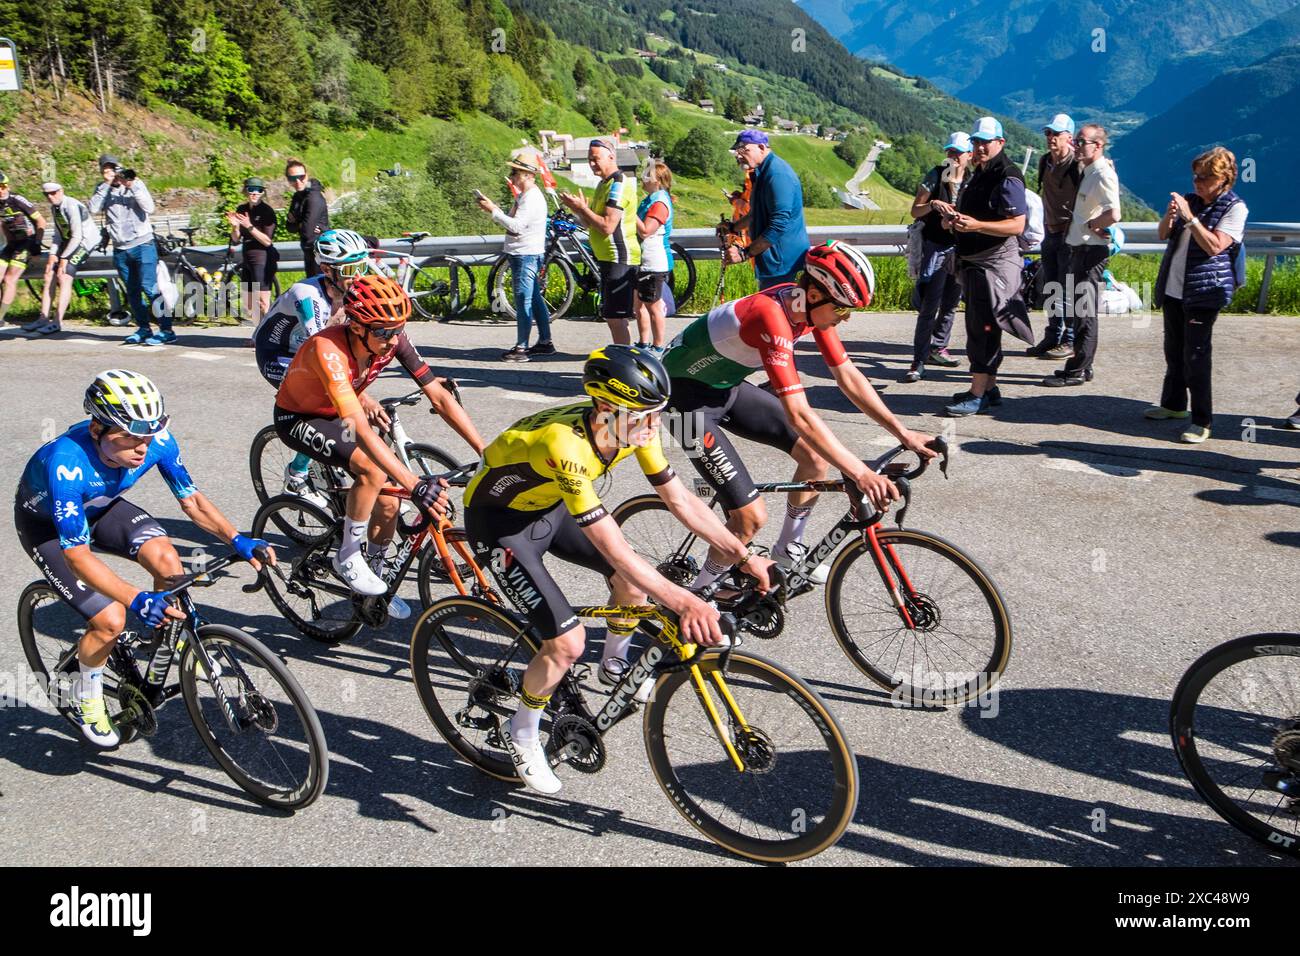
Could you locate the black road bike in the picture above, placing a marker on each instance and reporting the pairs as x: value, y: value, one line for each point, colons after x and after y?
x: 1235, y: 722
x: 246, y: 706
x: 913, y: 612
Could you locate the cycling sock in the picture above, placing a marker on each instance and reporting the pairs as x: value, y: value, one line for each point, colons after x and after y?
x: 526, y: 723
x: 618, y: 635
x: 796, y: 519
x: 300, y: 464
x: 709, y: 573
x: 354, y: 535
x: 91, y: 684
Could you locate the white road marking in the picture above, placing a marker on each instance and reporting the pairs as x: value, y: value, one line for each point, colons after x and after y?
x: 202, y: 356
x: 536, y: 399
x: 1091, y: 468
x: 1289, y: 495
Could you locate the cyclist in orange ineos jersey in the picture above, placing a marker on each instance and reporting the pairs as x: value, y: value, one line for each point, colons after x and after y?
x: 709, y: 362
x: 318, y: 413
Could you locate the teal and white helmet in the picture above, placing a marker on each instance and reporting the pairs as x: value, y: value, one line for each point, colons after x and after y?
x: 124, y: 399
x: 346, y: 251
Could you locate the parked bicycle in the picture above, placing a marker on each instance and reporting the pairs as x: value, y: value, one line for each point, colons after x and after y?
x: 913, y: 612
x: 1235, y: 723
x: 569, y: 270
x: 439, y: 288
x: 206, y: 284
x: 246, y: 706
x: 751, y: 756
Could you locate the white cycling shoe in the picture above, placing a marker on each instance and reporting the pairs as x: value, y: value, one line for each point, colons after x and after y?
x: 795, y: 552
x: 531, y: 763
x: 299, y: 483
x: 358, y: 576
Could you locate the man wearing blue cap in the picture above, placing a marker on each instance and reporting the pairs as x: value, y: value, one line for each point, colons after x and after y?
x: 937, y: 291
x: 775, y: 213
x: 1059, y: 175
x: 990, y: 215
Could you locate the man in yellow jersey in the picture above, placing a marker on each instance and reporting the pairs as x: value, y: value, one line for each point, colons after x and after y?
x: 611, y: 222
x: 534, y: 494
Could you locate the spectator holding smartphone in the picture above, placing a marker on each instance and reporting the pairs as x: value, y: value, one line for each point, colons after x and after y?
x: 308, y: 215
x: 126, y: 204
x: 252, y: 225
x: 21, y: 228
x: 75, y: 235
x: 1198, y: 276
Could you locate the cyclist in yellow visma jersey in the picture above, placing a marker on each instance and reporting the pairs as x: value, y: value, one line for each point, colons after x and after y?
x: 611, y: 222
x: 534, y: 494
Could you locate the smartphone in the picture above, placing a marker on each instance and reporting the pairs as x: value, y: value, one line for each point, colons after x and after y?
x: 479, y: 195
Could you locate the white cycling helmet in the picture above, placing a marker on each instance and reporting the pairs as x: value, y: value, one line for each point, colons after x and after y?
x: 127, y: 400
x: 344, y: 250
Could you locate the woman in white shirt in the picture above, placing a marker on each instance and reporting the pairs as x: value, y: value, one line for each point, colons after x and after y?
x: 654, y: 227
x: 1201, y: 269
x: 525, y: 244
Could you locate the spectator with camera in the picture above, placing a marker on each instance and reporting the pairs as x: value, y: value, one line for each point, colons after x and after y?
x: 126, y: 205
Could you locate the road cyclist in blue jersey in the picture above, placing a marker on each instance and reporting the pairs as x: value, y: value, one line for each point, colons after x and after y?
x: 71, y: 496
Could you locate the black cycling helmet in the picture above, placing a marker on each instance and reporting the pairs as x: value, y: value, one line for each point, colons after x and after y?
x: 626, y: 376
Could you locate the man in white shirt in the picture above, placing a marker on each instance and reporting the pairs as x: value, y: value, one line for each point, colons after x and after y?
x: 1096, y: 209
x: 525, y: 244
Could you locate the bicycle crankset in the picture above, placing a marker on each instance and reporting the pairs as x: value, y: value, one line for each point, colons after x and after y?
x: 137, y: 713
x: 373, y: 611
x: 575, y: 741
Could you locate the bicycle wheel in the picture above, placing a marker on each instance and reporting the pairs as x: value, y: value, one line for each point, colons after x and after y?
x: 656, y: 535
x: 268, y: 461
x: 799, y: 786
x: 961, y: 638
x: 557, y: 280
x: 1235, y: 723
x: 311, y: 598
x: 265, y: 733
x: 468, y: 659
x: 682, y: 278
x: 441, y: 289
x: 49, y: 631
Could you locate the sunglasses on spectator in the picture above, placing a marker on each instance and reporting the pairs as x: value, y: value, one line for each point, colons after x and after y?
x: 295, y: 179
x: 1088, y: 142
x: 1203, y: 177
x: 257, y: 191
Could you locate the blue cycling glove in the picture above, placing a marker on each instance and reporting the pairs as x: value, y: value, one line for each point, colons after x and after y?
x: 245, y: 547
x: 150, y: 607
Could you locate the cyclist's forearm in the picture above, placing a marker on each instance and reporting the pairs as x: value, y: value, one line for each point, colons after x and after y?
x: 609, y: 541
x: 454, y: 414
x: 97, y: 575
x: 199, y: 509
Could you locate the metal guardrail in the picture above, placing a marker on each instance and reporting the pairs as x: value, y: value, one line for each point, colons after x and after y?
x: 1267, y: 239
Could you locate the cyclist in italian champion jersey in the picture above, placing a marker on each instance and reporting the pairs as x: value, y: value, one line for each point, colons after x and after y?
x: 305, y: 308
x: 534, y: 494
x: 318, y: 412
x: 71, y: 496
x: 710, y: 361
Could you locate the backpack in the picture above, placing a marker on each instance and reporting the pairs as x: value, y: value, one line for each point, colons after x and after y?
x: 1034, y: 229
x: 915, y: 249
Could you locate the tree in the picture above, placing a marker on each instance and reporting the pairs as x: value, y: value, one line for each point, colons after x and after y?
x: 697, y: 87
x: 210, y: 77
x: 853, y: 149
x: 369, y: 94
x: 504, y: 99
x: 701, y: 152
x: 735, y: 108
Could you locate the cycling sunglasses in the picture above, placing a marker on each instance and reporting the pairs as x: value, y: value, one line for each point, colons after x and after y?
x: 143, y: 429
x: 637, y: 416
x: 384, y: 335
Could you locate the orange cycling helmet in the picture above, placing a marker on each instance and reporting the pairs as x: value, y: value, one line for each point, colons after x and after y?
x: 377, y: 301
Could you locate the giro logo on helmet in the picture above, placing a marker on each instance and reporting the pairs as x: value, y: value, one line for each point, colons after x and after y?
x: 623, y: 388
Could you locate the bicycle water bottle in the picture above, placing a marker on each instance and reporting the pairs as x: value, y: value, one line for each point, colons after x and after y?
x: 162, y: 656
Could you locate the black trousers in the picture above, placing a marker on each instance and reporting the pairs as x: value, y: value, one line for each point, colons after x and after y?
x: 310, y: 265
x: 1187, y: 360
x: 1087, y: 263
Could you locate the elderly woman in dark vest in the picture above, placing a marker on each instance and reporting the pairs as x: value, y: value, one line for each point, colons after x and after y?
x: 1198, y: 275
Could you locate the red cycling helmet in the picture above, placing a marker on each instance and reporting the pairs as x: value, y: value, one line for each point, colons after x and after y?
x: 377, y: 301
x: 843, y: 272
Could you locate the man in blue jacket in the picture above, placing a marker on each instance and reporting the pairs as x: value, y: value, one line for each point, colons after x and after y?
x: 775, y: 214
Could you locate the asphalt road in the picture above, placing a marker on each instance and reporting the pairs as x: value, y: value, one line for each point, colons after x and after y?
x: 1122, y: 555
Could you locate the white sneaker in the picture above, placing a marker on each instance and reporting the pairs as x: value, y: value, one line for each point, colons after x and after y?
x: 795, y: 552
x: 299, y: 483
x: 531, y: 763
x: 358, y: 575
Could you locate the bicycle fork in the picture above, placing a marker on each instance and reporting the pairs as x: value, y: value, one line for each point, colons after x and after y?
x: 886, y: 557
